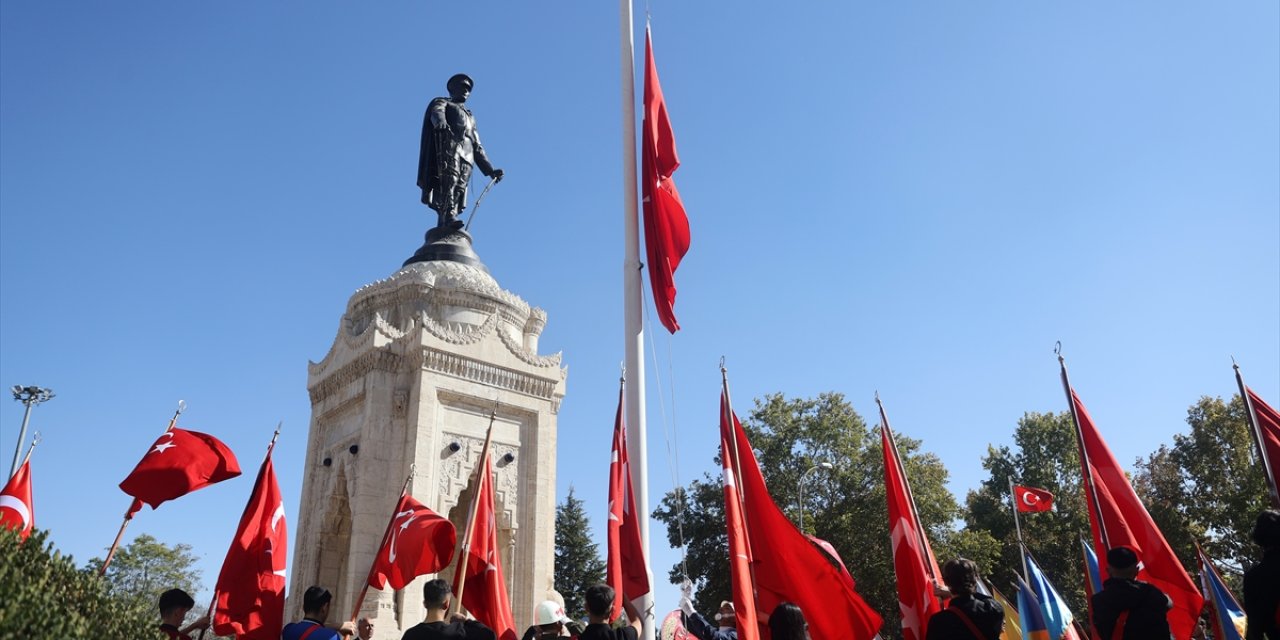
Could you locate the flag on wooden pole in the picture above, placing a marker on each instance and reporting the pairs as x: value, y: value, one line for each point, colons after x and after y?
x: 249, y: 594
x: 179, y: 462
x: 418, y: 541
x: 626, y: 568
x: 913, y: 561
x: 794, y: 569
x: 479, y: 578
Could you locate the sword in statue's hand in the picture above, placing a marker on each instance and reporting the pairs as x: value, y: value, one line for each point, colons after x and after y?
x: 497, y: 175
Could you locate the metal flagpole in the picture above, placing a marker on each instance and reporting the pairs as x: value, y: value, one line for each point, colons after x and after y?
x: 128, y: 515
x: 1022, y: 547
x: 633, y: 321
x: 1095, y: 509
x: 1256, y: 432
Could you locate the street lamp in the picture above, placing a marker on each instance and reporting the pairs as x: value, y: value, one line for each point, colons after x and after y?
x: 29, y: 396
x: 821, y: 465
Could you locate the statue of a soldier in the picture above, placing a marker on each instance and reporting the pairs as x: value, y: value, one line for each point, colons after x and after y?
x: 450, y: 144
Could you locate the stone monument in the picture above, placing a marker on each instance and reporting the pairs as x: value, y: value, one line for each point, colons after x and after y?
x: 420, y: 361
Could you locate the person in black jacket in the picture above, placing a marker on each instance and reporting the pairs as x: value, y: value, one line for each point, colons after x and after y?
x: 1128, y: 608
x: 1262, y: 581
x: 970, y: 615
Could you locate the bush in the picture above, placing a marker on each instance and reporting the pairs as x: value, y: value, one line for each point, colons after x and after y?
x: 43, y: 595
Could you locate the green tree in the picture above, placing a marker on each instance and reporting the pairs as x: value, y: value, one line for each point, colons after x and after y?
x: 1207, y: 487
x: 578, y: 563
x: 1045, y: 455
x: 146, y: 567
x: 43, y: 595
x: 844, y: 505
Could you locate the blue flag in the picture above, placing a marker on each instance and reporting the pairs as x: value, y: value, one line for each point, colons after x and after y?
x: 1031, y: 614
x: 1228, y: 616
x: 1057, y: 616
x: 1091, y: 571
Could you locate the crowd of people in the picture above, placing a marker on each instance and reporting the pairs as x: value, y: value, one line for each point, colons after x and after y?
x: 1125, y: 609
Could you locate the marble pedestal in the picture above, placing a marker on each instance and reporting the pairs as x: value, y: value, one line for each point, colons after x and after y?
x: 420, y: 360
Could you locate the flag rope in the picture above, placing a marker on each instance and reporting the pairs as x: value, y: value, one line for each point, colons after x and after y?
x: 673, y: 451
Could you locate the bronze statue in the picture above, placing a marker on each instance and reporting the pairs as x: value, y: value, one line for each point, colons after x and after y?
x: 450, y: 144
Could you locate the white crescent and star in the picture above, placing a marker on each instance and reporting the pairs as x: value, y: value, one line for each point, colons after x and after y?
x: 1030, y: 499
x: 19, y: 507
x: 395, y: 533
x: 161, y: 447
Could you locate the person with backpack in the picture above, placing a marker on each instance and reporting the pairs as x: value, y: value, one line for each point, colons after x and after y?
x: 970, y: 615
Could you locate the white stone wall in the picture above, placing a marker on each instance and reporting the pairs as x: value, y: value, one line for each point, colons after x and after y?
x: 420, y: 361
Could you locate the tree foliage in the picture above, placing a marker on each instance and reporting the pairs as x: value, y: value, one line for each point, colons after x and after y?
x: 1207, y: 487
x: 43, y: 595
x: 578, y: 563
x: 1045, y: 455
x: 146, y: 568
x: 844, y: 505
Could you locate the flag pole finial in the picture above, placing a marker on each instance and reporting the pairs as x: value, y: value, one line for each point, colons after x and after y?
x: 722, y: 369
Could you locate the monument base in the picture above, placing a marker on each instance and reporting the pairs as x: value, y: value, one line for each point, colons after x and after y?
x: 448, y: 244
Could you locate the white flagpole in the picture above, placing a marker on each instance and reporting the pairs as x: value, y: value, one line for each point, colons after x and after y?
x: 633, y: 321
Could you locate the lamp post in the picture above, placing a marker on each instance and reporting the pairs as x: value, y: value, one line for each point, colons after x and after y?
x: 821, y: 465
x: 29, y: 396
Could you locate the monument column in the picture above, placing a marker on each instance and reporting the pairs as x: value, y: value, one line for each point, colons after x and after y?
x: 420, y: 361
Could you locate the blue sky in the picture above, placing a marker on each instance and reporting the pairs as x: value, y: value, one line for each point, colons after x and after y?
x: 915, y: 198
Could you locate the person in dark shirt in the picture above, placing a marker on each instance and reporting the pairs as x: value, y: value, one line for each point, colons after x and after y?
x: 599, y: 600
x: 787, y: 623
x: 315, y: 610
x: 1128, y: 608
x: 970, y: 615
x: 436, y: 597
x: 174, y: 605
x: 1262, y: 581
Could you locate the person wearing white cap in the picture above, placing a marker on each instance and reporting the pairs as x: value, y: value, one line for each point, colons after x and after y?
x: 549, y: 622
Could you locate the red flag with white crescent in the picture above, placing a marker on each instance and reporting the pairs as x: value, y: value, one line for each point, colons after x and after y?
x: 666, y: 226
x: 179, y: 462
x: 17, y: 511
x: 418, y: 541
x: 627, y: 568
x: 1032, y: 500
x: 249, y: 595
x: 485, y: 595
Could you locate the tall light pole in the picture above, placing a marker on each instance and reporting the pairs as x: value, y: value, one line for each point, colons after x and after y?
x: 29, y: 396
x: 821, y: 465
